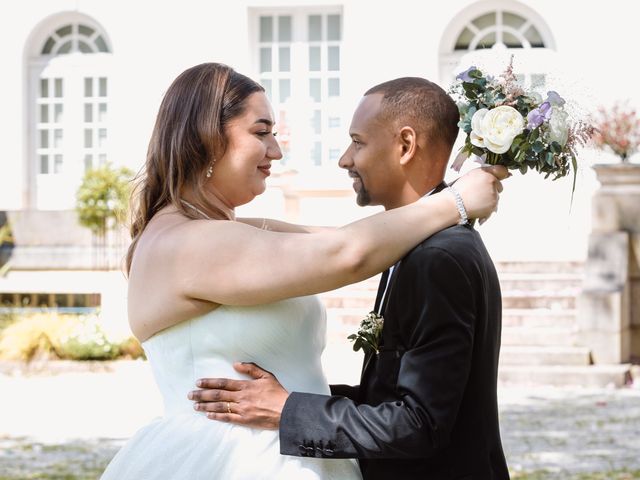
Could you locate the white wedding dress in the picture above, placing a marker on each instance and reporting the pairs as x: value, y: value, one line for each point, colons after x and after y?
x: 285, y: 338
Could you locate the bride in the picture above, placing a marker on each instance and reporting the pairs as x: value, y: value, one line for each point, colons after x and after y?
x: 207, y: 289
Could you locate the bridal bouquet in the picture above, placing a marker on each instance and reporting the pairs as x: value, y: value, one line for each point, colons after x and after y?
x: 506, y: 125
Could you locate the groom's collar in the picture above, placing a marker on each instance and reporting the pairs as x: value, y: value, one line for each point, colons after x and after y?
x: 441, y: 186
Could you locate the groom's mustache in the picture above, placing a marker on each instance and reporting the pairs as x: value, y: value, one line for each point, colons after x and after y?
x: 354, y: 174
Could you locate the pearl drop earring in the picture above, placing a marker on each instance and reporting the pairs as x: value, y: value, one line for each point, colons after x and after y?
x: 210, y: 169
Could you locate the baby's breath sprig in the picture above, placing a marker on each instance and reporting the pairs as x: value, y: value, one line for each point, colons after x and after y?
x: 368, y: 336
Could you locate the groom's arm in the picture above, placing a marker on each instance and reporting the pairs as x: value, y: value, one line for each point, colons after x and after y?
x: 431, y: 380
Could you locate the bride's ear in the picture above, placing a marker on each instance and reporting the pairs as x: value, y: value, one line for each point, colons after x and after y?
x: 407, y: 145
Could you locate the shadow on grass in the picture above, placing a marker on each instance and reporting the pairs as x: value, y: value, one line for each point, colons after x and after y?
x: 22, y: 458
x: 623, y: 474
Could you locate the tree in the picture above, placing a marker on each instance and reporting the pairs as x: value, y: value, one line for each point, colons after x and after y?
x: 5, y: 234
x: 102, y: 202
x: 6, y: 243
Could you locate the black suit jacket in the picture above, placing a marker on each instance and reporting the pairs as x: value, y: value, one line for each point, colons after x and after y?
x: 426, y: 407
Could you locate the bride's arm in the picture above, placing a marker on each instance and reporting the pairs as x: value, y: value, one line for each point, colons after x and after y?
x: 280, y: 226
x: 235, y: 264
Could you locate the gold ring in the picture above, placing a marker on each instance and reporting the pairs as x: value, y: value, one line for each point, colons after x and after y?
x: 228, y: 407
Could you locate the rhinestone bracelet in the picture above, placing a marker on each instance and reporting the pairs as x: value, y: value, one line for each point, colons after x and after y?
x: 459, y: 205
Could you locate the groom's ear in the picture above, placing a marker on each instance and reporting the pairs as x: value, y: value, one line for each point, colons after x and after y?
x: 408, y: 146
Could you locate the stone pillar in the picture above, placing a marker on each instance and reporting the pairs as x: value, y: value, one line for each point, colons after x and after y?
x: 609, y: 305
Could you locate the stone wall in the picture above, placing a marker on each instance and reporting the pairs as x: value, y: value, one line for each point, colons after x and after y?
x: 609, y: 306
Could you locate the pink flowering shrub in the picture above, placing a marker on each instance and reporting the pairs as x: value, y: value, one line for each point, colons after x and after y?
x: 618, y: 129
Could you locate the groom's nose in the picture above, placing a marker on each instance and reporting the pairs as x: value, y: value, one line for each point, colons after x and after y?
x: 346, y: 161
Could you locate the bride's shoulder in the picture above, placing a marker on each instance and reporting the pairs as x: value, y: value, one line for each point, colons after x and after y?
x: 179, y: 242
x: 172, y: 231
x: 204, y: 237
x: 207, y: 231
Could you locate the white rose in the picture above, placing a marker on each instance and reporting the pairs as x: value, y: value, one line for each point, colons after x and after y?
x: 495, y: 129
x: 558, y: 126
x: 477, y: 134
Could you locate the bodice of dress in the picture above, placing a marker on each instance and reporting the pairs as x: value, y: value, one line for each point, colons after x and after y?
x: 286, y: 338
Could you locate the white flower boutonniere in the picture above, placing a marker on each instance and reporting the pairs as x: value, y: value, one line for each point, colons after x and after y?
x: 368, y: 336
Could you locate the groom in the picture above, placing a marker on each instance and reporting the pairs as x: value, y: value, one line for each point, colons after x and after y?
x: 426, y: 406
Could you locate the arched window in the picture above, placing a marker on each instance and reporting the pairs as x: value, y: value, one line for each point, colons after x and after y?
x: 69, y: 94
x: 487, y: 34
x: 74, y: 37
x: 501, y: 26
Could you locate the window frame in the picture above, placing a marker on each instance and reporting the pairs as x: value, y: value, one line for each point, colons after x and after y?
x: 537, y: 59
x: 297, y: 137
x: 50, y: 191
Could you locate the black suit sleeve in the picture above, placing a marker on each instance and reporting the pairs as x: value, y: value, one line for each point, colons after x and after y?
x: 430, y: 383
x: 349, y: 391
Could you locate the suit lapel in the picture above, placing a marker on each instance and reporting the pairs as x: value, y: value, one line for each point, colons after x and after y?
x: 381, y: 287
x: 385, y: 300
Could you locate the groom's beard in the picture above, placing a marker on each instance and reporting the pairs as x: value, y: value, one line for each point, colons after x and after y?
x: 362, y: 196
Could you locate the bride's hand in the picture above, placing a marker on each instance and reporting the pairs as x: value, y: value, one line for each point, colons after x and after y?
x: 480, y: 190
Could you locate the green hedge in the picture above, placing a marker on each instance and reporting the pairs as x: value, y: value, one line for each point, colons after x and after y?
x: 62, y: 336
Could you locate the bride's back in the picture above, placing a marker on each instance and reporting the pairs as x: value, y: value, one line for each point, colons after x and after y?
x: 154, y: 297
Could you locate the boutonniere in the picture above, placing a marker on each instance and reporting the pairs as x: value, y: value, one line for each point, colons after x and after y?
x: 368, y: 336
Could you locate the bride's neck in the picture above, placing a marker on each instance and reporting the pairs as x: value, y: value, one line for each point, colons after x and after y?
x: 216, y: 199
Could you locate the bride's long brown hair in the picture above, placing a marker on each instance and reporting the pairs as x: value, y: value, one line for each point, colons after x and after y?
x: 188, y: 134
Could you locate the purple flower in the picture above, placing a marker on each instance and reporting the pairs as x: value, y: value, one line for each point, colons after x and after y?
x: 464, y: 76
x: 555, y: 99
x: 538, y: 115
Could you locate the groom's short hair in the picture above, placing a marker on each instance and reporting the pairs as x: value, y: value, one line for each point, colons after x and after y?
x: 422, y: 105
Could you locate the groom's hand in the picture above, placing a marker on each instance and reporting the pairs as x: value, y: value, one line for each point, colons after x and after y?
x: 255, y: 403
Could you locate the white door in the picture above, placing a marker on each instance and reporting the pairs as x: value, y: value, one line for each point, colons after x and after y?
x: 69, y: 125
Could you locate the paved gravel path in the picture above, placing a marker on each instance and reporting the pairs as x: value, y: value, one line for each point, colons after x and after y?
x: 565, y: 431
x: 68, y: 425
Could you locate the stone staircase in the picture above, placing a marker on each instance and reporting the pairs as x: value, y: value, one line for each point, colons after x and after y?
x: 539, y: 344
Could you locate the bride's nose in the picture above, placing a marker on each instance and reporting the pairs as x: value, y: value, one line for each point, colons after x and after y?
x: 274, y: 152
